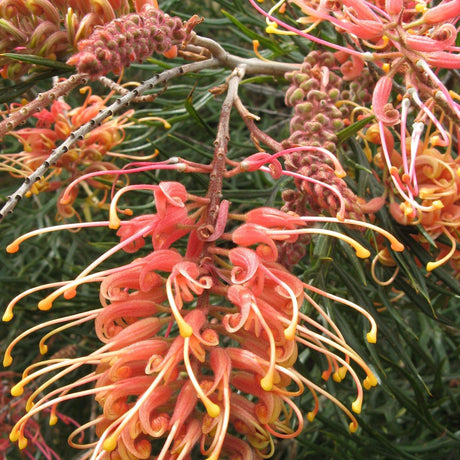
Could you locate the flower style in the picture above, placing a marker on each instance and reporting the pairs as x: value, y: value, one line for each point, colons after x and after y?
x: 197, y: 349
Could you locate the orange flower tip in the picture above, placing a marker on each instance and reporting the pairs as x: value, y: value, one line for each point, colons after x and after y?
x: 386, y: 66
x: 7, y: 359
x: 340, y: 173
x: 357, y: 406
x: 267, y: 383
x: 70, y: 294
x: 397, y: 246
x: 370, y: 381
x: 352, y: 427
x: 212, y: 409
x: 372, y: 336
x: 110, y: 443
x: 53, y: 419
x: 17, y: 390
x: 311, y: 416
x: 45, y: 304
x: 362, y: 252
x: 12, y: 248
x: 7, y: 316
x: 127, y: 212
x: 394, y: 171
x: 43, y: 349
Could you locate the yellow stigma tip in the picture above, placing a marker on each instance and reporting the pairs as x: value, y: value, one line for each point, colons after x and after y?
x: 185, y: 329
x: 22, y: 443
x: 7, y: 316
x: 336, y: 377
x: 370, y: 381
x: 110, y: 443
x: 29, y: 405
x: 53, y: 419
x: 362, y: 253
x: 12, y: 248
x: 7, y: 360
x: 371, y: 336
x: 289, y: 333
x: 43, y: 349
x: 212, y: 409
x: 114, y: 222
x: 311, y: 416
x: 17, y: 390
x: 353, y: 426
x: 356, y: 406
x: 430, y: 266
x: 267, y: 383
x: 14, y: 435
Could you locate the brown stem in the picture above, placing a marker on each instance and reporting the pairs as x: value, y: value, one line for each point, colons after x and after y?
x: 40, y: 102
x: 256, y: 133
x: 206, y: 230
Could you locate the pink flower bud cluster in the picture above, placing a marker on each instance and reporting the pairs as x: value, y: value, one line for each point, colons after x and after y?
x: 131, y: 38
x: 314, y: 92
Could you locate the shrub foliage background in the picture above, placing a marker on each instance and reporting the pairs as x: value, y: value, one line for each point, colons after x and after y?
x: 413, y: 412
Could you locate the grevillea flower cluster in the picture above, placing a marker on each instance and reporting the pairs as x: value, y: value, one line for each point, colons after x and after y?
x: 198, y: 345
x: 49, y: 29
x: 407, y: 45
x: 89, y: 154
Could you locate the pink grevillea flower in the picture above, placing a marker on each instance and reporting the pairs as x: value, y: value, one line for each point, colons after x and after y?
x: 410, y: 42
x: 197, y: 350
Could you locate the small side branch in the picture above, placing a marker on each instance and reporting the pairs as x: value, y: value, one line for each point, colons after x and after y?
x: 41, y: 101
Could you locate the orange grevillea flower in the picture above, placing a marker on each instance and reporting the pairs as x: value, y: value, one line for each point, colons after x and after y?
x: 198, y: 346
x: 89, y: 154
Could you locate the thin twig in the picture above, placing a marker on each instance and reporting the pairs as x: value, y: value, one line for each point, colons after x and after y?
x: 41, y: 101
